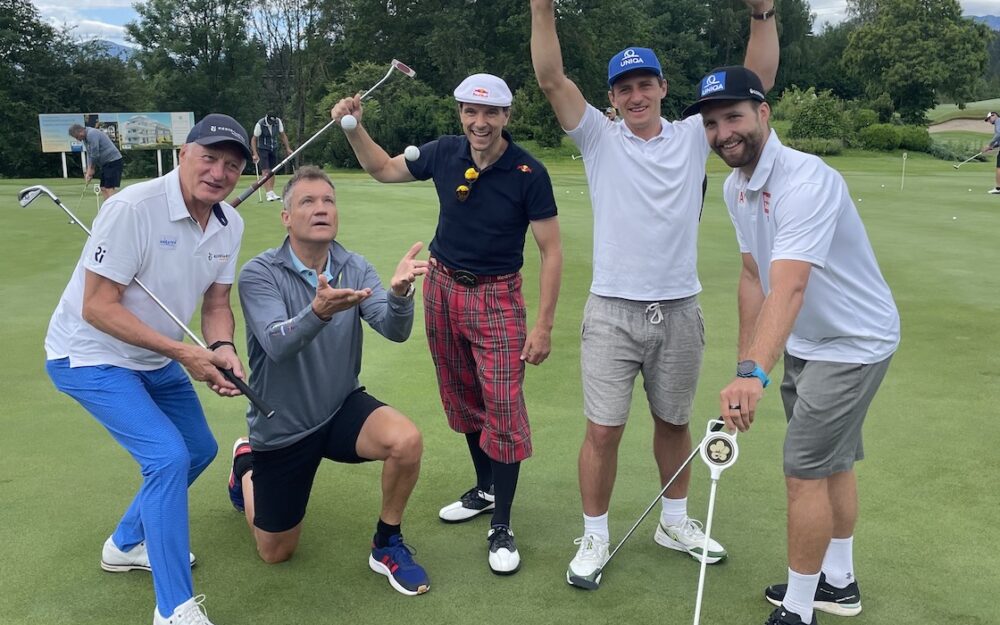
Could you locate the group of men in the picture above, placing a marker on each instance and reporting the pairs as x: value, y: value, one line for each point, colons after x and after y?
x: 810, y: 288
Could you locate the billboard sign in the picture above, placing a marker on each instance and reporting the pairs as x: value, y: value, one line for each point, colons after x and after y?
x: 129, y: 131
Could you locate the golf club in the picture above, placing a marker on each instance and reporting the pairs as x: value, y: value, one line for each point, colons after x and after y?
x: 260, y: 195
x: 719, y: 451
x: 902, y: 179
x: 971, y: 158
x: 79, y: 202
x: 28, y: 195
x: 394, y: 65
x: 592, y: 584
x: 97, y: 195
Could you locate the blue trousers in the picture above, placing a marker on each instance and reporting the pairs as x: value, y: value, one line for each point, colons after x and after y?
x: 157, y: 418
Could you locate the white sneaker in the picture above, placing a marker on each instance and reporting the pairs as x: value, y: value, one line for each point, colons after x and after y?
x: 504, y: 558
x: 689, y: 538
x: 115, y: 560
x: 994, y: 191
x: 272, y: 196
x: 471, y: 504
x: 589, y: 560
x: 191, y: 612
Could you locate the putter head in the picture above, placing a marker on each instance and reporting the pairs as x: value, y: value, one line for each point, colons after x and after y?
x: 27, y: 196
x: 585, y: 582
x: 404, y: 68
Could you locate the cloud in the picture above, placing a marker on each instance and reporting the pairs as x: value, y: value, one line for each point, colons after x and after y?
x: 77, y: 16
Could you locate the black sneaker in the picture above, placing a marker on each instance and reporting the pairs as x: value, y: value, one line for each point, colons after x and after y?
x: 504, y: 558
x: 781, y: 616
x: 829, y: 599
x: 471, y: 504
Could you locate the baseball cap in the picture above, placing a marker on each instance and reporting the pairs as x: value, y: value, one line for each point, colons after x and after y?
x: 216, y: 128
x: 733, y: 82
x: 991, y: 114
x: 631, y: 59
x: 484, y: 89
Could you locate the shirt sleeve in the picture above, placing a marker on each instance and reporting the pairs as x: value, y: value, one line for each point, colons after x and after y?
x: 423, y: 167
x: 995, y: 141
x: 587, y: 134
x: 117, y: 243
x: 540, y: 200
x: 281, y: 125
x: 257, y: 130
x: 93, y: 146
x: 695, y: 126
x: 389, y: 315
x: 805, y: 222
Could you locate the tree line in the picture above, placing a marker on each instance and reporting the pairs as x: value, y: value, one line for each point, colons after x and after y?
x: 294, y: 58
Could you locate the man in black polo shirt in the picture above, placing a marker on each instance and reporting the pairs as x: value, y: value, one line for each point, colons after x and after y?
x: 491, y: 191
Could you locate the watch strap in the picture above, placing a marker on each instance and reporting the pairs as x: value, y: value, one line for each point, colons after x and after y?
x: 766, y: 15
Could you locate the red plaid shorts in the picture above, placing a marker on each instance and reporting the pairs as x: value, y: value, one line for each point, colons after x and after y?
x: 476, y: 335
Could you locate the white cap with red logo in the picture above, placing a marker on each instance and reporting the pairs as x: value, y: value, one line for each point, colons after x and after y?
x: 484, y: 89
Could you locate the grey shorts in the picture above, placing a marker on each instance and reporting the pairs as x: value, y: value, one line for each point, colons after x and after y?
x: 621, y: 338
x: 826, y: 404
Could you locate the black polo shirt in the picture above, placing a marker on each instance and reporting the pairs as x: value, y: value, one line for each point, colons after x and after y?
x: 485, y: 233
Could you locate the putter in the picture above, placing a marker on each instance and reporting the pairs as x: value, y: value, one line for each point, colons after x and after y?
x: 971, y: 158
x: 401, y: 67
x: 593, y: 584
x: 30, y: 194
x: 719, y: 451
x: 902, y: 179
x: 256, y: 170
x: 79, y: 202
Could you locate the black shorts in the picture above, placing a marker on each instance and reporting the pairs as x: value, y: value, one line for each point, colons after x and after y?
x: 283, y: 478
x: 268, y: 159
x: 111, y: 174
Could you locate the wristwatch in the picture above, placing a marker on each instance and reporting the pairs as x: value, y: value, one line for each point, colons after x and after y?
x: 750, y: 369
x: 409, y: 291
x: 766, y: 15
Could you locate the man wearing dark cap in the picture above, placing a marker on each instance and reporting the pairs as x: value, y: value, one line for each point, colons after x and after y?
x: 994, y: 118
x: 112, y: 349
x: 810, y: 287
x: 264, y: 145
x: 646, y: 187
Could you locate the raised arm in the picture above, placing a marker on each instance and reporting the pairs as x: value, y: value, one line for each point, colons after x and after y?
x: 372, y: 157
x: 762, y: 49
x: 546, y: 57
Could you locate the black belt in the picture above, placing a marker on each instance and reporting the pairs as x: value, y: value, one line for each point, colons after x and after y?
x: 469, y: 279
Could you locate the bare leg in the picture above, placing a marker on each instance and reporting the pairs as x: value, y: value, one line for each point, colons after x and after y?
x: 671, y: 447
x: 391, y: 437
x: 810, y: 523
x: 598, y: 466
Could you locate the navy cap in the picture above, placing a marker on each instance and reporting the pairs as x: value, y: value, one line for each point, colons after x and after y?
x: 734, y: 82
x: 216, y: 128
x: 631, y: 59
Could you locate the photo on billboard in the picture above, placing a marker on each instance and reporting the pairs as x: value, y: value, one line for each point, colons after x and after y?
x: 146, y: 131
x: 106, y: 123
x: 54, y: 131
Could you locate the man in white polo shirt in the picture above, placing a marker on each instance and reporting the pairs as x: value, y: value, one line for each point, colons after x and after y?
x: 810, y: 286
x: 111, y: 348
x: 646, y: 187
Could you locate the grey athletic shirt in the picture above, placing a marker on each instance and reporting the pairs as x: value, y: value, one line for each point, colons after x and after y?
x: 100, y: 149
x: 302, y: 366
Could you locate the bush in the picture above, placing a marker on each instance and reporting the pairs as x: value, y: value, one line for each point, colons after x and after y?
x: 885, y: 137
x: 819, y: 117
x: 819, y: 147
x: 955, y: 151
x: 791, y: 101
x: 915, y: 138
x: 862, y: 118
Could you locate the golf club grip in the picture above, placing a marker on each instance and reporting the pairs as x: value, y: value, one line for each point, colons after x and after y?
x: 263, y: 408
x: 253, y: 188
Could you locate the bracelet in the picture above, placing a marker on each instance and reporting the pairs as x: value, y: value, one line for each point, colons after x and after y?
x: 766, y: 15
x: 216, y: 345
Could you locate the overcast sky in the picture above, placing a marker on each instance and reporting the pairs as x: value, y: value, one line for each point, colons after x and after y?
x: 105, y: 19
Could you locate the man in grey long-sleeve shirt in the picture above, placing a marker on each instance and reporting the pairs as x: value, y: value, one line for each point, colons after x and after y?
x: 994, y: 118
x: 101, y: 151
x: 303, y: 304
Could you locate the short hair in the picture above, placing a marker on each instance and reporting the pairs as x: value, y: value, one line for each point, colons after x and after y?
x: 306, y: 172
x: 75, y: 129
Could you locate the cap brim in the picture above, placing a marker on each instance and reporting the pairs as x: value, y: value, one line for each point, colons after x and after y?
x: 695, y: 108
x: 635, y: 70
x: 213, y: 140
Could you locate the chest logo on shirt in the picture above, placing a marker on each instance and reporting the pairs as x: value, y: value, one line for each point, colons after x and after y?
x: 767, y: 204
x: 743, y: 198
x: 219, y: 258
x: 524, y: 169
x: 168, y: 242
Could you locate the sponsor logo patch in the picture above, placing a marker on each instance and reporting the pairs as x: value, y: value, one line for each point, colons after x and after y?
x: 218, y: 258
x: 524, y: 169
x: 481, y: 92
x: 767, y: 203
x: 168, y: 242
x: 712, y: 83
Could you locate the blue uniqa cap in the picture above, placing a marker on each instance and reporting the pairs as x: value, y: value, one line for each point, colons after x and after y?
x: 631, y: 59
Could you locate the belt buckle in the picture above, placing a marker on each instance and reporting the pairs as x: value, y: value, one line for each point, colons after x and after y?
x: 465, y: 278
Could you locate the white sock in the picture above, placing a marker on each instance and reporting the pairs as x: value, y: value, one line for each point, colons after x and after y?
x: 838, y: 563
x: 597, y: 526
x: 675, y: 511
x: 800, y: 594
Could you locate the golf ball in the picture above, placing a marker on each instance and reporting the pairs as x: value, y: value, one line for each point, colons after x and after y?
x: 859, y: 199
x: 411, y: 153
x: 348, y: 122
x: 883, y: 186
x: 970, y: 190
x: 954, y: 218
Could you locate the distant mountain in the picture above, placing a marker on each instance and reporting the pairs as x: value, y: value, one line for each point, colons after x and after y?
x: 113, y: 49
x: 993, y: 21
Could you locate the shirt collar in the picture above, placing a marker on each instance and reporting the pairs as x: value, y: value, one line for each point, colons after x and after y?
x: 766, y: 163
x: 176, y: 205
x: 666, y: 131
x: 335, y: 263
x: 308, y: 274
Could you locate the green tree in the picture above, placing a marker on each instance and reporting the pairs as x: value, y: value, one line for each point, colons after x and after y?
x: 916, y: 51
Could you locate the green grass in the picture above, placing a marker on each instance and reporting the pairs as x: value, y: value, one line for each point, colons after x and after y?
x: 972, y: 110
x: 928, y: 499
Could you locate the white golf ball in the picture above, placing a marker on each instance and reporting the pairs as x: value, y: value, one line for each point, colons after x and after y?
x: 883, y: 186
x: 970, y: 190
x: 954, y: 218
x: 348, y: 122
x: 859, y: 199
x: 411, y: 153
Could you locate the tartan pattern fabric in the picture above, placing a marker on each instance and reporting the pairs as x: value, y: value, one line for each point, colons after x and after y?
x: 476, y: 336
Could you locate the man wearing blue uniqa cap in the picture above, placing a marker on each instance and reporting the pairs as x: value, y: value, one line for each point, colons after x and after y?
x: 645, y: 177
x: 811, y: 287
x: 111, y: 348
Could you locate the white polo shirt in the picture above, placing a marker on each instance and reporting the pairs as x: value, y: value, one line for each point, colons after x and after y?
x: 647, y: 199
x: 145, y: 231
x: 796, y: 207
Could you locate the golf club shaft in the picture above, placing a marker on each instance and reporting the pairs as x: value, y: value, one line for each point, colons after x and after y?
x: 973, y: 157
x: 228, y: 373
x: 704, y: 552
x: 256, y: 170
x: 260, y: 181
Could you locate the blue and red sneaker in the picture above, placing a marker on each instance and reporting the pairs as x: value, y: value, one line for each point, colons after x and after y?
x: 395, y: 561
x: 240, y: 448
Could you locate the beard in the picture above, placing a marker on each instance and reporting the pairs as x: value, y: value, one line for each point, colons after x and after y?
x: 748, y: 150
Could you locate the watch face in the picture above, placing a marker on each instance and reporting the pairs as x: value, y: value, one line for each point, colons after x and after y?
x: 745, y: 367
